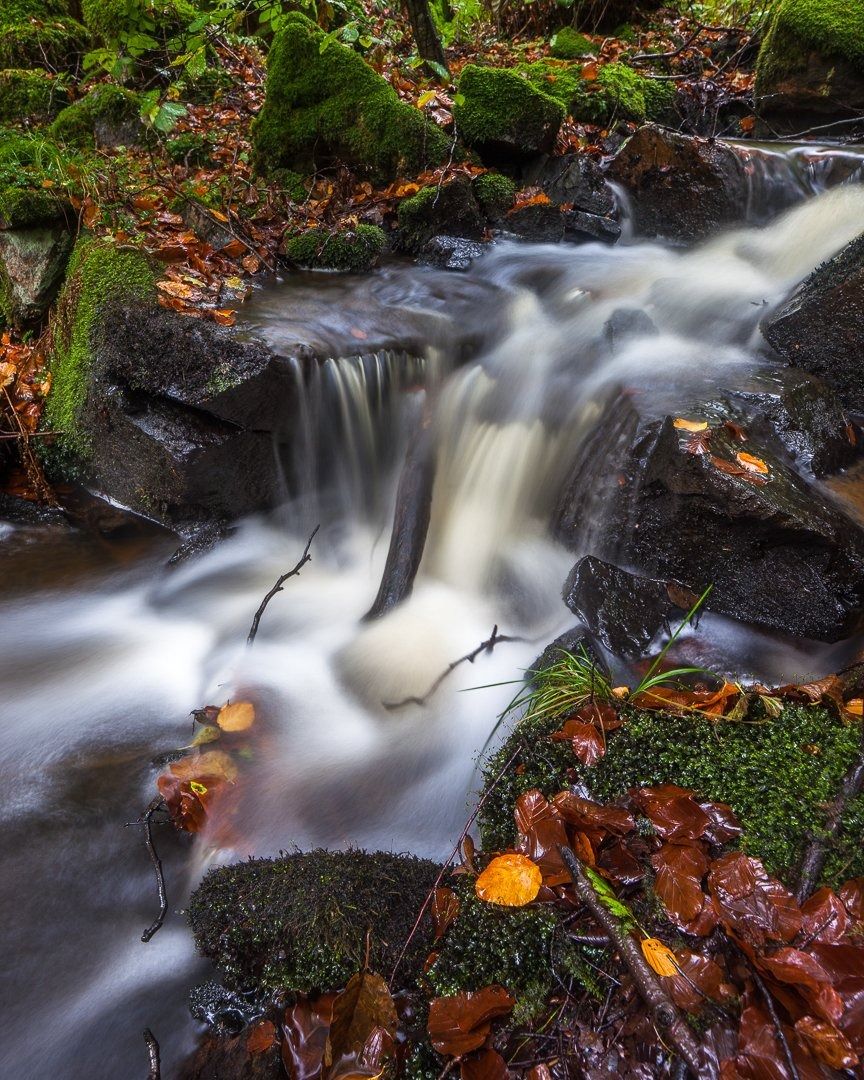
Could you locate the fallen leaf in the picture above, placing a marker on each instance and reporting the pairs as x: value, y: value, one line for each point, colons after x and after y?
x: 752, y: 905
x: 659, y: 956
x: 461, y: 1023
x: 541, y: 834
x: 672, y: 811
x: 679, y: 873
x: 236, y: 716
x: 424, y: 99
x: 305, y: 1030
x: 224, y: 316
x: 755, y: 464
x: 826, y: 1043
x: 363, y: 1007
x: 509, y: 880
x: 587, y: 742
x: 261, y: 1037
x: 689, y: 425
x: 445, y: 908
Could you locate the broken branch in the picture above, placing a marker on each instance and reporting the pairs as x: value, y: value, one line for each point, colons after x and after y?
x: 280, y: 583
x: 145, y: 820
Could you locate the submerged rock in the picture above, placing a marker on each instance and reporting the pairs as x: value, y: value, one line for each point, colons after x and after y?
x: 821, y: 327
x: 681, y: 188
x: 451, y: 252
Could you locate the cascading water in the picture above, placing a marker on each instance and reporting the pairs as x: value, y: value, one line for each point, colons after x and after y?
x: 101, y: 668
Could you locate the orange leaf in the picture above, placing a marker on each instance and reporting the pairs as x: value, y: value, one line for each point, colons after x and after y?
x: 855, y: 706
x: 224, y: 316
x: 689, y: 425
x: 234, y: 249
x: 236, y: 716
x: 754, y: 464
x: 261, y: 1037
x: 659, y: 956
x: 509, y: 880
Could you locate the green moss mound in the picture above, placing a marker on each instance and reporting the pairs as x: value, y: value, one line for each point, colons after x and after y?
x: 99, y: 273
x: 13, y: 12
x: 776, y: 774
x: 35, y: 177
x: 109, y: 19
x: 55, y: 44
x: 625, y: 94
x: 495, y: 194
x: 558, y: 80
x: 76, y: 124
x: 353, y: 250
x: 29, y: 95
x: 569, y: 44
x: 300, y: 922
x: 331, y: 106
x: 834, y: 28
x: 498, y: 110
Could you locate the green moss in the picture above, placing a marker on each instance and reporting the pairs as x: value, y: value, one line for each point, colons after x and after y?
x: 190, y: 148
x: 108, y: 20
x: 497, y: 107
x: 559, y: 80
x: 108, y: 103
x: 206, y: 87
x: 834, y: 28
x: 331, y: 106
x: 13, y: 12
x: 625, y: 94
x: 98, y: 273
x: 844, y: 852
x: 777, y: 775
x: 29, y: 95
x: 22, y: 207
x: 354, y: 250
x: 56, y: 44
x: 35, y: 177
x: 569, y: 44
x: 300, y: 923
x: 495, y: 194
x: 292, y: 183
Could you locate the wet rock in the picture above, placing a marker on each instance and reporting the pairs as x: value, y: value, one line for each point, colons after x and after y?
x: 32, y: 264
x: 574, y: 641
x: 451, y: 252
x: 205, y: 226
x: 821, y: 327
x: 228, y: 1058
x: 23, y: 512
x: 624, y: 324
x: 581, y: 227
x: 502, y: 116
x: 575, y: 179
x: 225, y: 1010
x: 681, y: 188
x: 625, y: 612
x: 541, y: 223
x: 450, y: 209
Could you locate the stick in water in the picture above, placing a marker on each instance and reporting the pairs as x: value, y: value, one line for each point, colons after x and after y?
x: 145, y: 821
x: 155, y: 1072
x: 306, y: 557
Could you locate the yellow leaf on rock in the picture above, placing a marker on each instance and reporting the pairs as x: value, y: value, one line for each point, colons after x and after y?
x: 236, y: 716
x: 510, y: 880
x: 689, y: 425
x: 754, y: 464
x: 659, y: 956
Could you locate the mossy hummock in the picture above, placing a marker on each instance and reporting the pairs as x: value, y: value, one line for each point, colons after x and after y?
x: 778, y: 776
x: 501, y: 113
x: 353, y: 250
x: 569, y: 44
x: 39, y: 33
x: 99, y: 273
x: 108, y: 19
x: 300, y: 923
x: 330, y: 106
x: 105, y: 104
x: 624, y: 94
x: 495, y: 194
x: 36, y: 96
x: 34, y: 175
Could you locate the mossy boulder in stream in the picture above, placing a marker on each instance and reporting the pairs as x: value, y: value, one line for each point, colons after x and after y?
x: 779, y: 775
x: 811, y: 64
x: 450, y: 209
x: 355, y: 250
x: 327, y: 105
x: 503, y: 115
x: 301, y: 922
x: 622, y: 93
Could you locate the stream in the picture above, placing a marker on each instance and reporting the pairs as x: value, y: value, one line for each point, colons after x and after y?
x: 106, y: 650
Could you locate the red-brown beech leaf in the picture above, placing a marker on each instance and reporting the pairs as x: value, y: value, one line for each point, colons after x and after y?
x: 760, y: 1053
x: 825, y: 918
x: 852, y: 895
x: 808, y: 976
x: 461, y: 1023
x: 484, y: 1065
x: 826, y: 1043
x: 752, y: 905
x: 261, y: 1037
x: 601, y: 714
x: 541, y: 832
x: 363, y: 1006
x: 588, y: 815
x: 672, y: 811
x: 445, y: 908
x: 619, y: 863
x: 678, y: 883
x: 723, y: 826
x: 305, y: 1030
x: 844, y: 962
x: 698, y: 977
x: 588, y: 742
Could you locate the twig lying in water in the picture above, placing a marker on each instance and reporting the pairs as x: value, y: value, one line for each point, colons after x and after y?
x: 306, y: 557
x: 153, y: 1052
x: 145, y: 820
x: 667, y: 1018
x: 485, y: 646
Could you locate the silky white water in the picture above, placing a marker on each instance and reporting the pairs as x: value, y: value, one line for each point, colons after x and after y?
x: 100, y: 671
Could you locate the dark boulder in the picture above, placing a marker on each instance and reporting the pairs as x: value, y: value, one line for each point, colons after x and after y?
x: 451, y: 209
x: 575, y: 641
x: 821, y: 327
x: 581, y: 227
x: 625, y: 324
x: 539, y: 223
x: 575, y: 179
x: 451, y: 252
x: 681, y: 188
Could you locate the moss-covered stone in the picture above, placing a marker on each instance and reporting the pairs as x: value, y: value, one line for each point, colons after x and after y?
x: 557, y: 79
x: 99, y: 273
x: 451, y: 209
x: 300, y: 923
x: 107, y: 114
x: 17, y: 11
x: 624, y: 94
x: 495, y: 194
x: 29, y: 95
x: 34, y: 179
x: 353, y: 250
x: 500, y: 113
x: 107, y: 20
x: 569, y: 44
x: 331, y: 106
x: 56, y: 44
x: 778, y: 775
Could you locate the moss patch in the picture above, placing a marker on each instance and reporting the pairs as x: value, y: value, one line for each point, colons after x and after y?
x: 108, y: 19
x: 495, y: 194
x: 624, y: 94
x: 300, y: 922
x: 332, y: 106
x: 776, y: 774
x: 29, y: 95
x: 569, y: 44
x: 353, y: 250
x: 35, y: 176
x: 106, y: 103
x: 498, y: 110
x: 40, y: 39
x: 834, y: 28
x: 99, y: 273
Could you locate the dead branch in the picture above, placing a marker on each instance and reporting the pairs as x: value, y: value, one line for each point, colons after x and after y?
x: 775, y: 1020
x: 155, y: 1072
x: 667, y: 1018
x: 145, y: 821
x: 485, y: 646
x: 280, y: 583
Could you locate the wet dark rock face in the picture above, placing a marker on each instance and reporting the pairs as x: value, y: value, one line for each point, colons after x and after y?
x: 821, y: 326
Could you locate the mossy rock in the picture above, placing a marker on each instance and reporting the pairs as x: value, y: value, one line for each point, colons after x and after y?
x: 29, y: 95
x: 557, y: 79
x: 330, y: 106
x: 501, y: 114
x: 13, y: 12
x: 99, y: 273
x: 107, y: 20
x: 778, y: 775
x: 34, y: 176
x: 495, y: 194
x: 107, y: 115
x: 56, y: 44
x: 569, y: 44
x: 190, y: 148
x: 354, y: 250
x: 451, y: 209
x: 811, y: 62
x: 302, y: 923
x: 624, y: 94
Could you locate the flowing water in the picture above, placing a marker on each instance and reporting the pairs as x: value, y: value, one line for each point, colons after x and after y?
x: 105, y: 652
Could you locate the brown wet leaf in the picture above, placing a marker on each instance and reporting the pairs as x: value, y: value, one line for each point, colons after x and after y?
x: 588, y: 743
x: 592, y: 816
x: 362, y: 1007
x: 461, y: 1023
x: 486, y: 1064
x: 752, y: 906
x: 698, y: 978
x: 672, y: 811
x: 679, y: 873
x: 541, y: 833
x: 305, y: 1030
x: 826, y: 1043
x: 236, y: 716
x: 852, y: 897
x: 444, y: 909
x: 261, y: 1037
x: 825, y: 918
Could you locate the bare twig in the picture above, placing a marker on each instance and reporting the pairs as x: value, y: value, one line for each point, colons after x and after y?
x: 485, y: 646
x: 667, y: 1018
x: 775, y: 1020
x: 155, y: 1072
x: 145, y: 821
x: 280, y: 583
